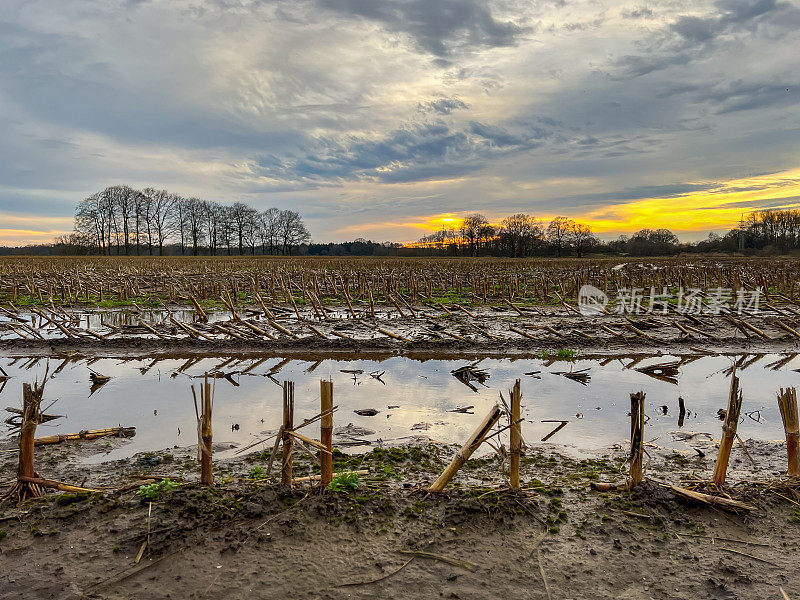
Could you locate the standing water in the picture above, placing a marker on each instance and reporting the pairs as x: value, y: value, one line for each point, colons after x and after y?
x: 412, y: 398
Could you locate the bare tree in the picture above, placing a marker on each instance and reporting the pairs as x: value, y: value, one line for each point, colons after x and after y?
x: 195, y: 223
x: 582, y: 237
x: 521, y: 233
x: 269, y: 227
x: 292, y: 230
x: 160, y: 216
x: 121, y: 200
x: 212, y: 213
x: 90, y: 221
x: 472, y: 228
x: 227, y: 227
x: 243, y: 216
x: 180, y: 221
x: 558, y: 233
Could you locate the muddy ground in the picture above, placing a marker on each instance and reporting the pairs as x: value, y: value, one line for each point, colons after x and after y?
x: 252, y: 538
x: 490, y: 332
x: 249, y: 537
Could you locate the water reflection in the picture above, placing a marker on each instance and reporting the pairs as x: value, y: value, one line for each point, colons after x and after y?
x: 31, y: 325
x: 396, y: 398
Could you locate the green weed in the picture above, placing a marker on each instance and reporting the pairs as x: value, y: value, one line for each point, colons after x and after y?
x: 344, y: 482
x: 156, y: 491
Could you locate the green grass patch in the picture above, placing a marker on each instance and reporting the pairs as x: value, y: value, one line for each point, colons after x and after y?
x: 560, y: 354
x: 344, y: 482
x: 156, y: 491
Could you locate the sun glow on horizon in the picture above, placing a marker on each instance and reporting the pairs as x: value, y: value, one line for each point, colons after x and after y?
x: 716, y: 206
x: 720, y: 206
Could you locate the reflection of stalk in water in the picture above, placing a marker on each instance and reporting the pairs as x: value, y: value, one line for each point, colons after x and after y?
x: 470, y: 373
x: 582, y: 376
x: 667, y: 371
x: 98, y: 381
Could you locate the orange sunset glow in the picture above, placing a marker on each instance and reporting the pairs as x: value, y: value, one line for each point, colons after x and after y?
x: 719, y: 207
x: 389, y: 120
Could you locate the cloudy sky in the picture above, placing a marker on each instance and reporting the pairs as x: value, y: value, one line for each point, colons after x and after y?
x: 384, y: 119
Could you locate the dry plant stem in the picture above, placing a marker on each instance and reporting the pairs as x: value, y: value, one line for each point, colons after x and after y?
x: 559, y: 427
x: 749, y: 556
x: 30, y: 413
x: 637, y: 438
x: 787, y: 402
x: 451, y: 561
x: 516, y: 434
x: 58, y: 485
x: 728, y: 431
x: 467, y: 449
x: 288, y: 425
x: 310, y: 442
x: 91, y: 434
x: 326, y: 432
x: 204, y: 432
x: 274, y: 453
x: 717, y: 501
x: 25, y: 487
x: 379, y: 578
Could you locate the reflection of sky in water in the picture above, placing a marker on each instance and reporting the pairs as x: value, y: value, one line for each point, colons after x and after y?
x: 103, y: 321
x: 424, y: 391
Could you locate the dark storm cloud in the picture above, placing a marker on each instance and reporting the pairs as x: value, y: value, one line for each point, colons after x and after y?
x: 695, y: 29
x: 58, y: 79
x: 24, y: 204
x: 440, y: 27
x: 733, y: 16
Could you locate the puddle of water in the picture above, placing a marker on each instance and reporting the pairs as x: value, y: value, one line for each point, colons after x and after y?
x: 105, y: 321
x: 155, y: 398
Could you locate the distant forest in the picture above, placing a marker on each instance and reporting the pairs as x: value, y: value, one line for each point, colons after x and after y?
x: 121, y: 220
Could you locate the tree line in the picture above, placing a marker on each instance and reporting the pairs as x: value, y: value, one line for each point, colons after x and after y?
x: 771, y: 231
x: 516, y: 236
x: 124, y: 221
x: 120, y: 220
x: 521, y: 235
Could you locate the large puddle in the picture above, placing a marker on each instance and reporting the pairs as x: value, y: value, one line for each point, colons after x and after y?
x: 411, y: 397
x: 124, y: 320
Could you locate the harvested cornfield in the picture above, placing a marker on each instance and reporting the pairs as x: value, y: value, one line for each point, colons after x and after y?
x: 149, y: 281
x: 442, y: 400
x: 455, y: 305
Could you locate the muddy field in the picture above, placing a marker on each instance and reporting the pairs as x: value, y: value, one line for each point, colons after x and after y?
x: 243, y: 539
x: 484, y: 332
x: 283, y: 305
x: 556, y: 537
x: 383, y: 535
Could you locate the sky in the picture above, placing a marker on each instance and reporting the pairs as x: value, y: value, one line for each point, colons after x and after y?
x: 387, y: 119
